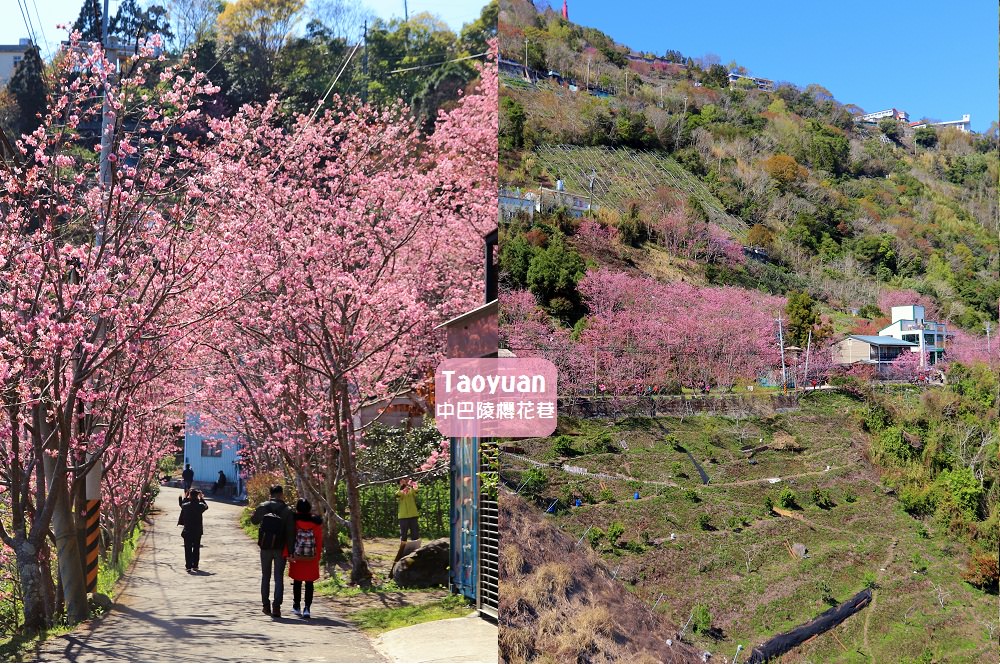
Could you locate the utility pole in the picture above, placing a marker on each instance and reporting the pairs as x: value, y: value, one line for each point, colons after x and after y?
x: 680, y: 124
x: 364, y: 67
x: 105, y: 166
x: 406, y: 12
x: 805, y: 377
x: 781, y: 345
x: 593, y: 177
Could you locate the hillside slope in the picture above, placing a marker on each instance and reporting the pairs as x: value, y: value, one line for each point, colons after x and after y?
x: 560, y: 600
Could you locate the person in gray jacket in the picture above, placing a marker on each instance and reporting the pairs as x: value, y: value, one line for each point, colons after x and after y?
x: 276, y: 534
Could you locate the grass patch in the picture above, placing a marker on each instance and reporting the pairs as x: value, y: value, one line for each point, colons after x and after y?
x: 21, y: 647
x: 376, y: 621
x: 250, y: 529
x: 337, y: 586
x: 108, y: 575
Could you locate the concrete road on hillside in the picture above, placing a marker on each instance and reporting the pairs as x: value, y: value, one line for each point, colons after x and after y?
x: 164, y: 613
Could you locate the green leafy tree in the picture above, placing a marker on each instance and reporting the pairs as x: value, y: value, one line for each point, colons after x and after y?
x: 890, y: 127
x: 397, y: 45
x: 803, y: 316
x: 533, y: 482
x: 27, y: 86
x: 512, y: 118
x: 302, y: 68
x: 516, y: 253
x: 615, y: 532
x: 926, y: 137
x: 476, y: 35
x: 828, y: 148
x: 878, y: 252
x: 394, y: 452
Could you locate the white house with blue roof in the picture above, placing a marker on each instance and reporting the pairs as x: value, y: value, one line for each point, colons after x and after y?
x: 209, y: 452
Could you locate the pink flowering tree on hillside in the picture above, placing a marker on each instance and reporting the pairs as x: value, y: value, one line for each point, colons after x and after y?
x: 642, y: 332
x: 346, y: 240
x: 91, y: 277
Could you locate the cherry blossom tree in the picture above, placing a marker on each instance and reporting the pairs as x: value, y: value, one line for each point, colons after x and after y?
x: 90, y: 275
x: 344, y: 240
x: 640, y: 332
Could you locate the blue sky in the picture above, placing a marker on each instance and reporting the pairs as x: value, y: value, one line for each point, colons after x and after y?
x: 930, y: 59
x: 46, y: 14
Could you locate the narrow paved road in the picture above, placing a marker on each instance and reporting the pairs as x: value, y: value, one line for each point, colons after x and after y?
x: 167, y: 614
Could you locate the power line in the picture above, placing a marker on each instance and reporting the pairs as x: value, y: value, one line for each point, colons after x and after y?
x: 41, y: 28
x: 27, y: 21
x: 436, y: 64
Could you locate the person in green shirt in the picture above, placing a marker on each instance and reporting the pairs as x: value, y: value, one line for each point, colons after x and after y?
x: 407, y: 498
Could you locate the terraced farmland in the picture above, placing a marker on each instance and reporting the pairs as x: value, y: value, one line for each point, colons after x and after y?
x: 623, y: 174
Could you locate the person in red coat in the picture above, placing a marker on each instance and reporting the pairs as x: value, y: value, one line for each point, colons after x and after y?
x: 304, y: 568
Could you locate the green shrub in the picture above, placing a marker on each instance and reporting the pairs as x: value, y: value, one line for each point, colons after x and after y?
x: 869, y: 580
x: 788, y: 499
x: 701, y: 619
x: 603, y: 444
x: 677, y: 469
x: 691, y: 495
x: 922, y: 532
x: 849, y: 496
x: 594, y: 536
x: 533, y: 482
x: 562, y: 446
x: 917, y: 501
x: 615, y: 532
x: 768, y: 505
x: 606, y: 496
x: 959, y: 487
x: 890, y: 448
x: 821, y: 498
x: 705, y: 522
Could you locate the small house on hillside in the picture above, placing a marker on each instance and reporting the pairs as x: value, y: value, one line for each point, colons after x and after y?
x: 880, y: 351
x: 928, y: 337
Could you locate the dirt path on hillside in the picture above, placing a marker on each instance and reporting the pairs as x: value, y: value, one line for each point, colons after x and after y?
x: 871, y: 609
x: 167, y: 614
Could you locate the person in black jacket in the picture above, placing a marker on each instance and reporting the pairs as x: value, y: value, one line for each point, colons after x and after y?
x: 188, y: 477
x: 274, y: 547
x: 192, y: 509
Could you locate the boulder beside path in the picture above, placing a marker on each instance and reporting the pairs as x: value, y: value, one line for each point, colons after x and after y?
x: 425, y: 567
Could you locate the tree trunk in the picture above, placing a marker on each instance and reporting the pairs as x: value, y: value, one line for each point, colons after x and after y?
x: 360, y: 572
x: 68, y: 553
x: 331, y: 529
x: 32, y: 596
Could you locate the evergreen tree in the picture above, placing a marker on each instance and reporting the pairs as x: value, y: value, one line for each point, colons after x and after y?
x: 27, y: 86
x: 89, y: 21
x: 133, y: 24
x: 802, y: 317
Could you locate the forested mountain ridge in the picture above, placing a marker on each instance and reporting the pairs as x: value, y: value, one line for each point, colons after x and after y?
x: 846, y: 211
